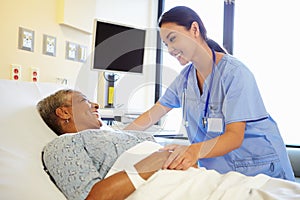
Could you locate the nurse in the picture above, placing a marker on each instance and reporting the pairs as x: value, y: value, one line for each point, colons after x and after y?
x: 223, y: 111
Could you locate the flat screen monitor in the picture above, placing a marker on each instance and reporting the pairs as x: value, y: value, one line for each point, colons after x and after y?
x: 118, y: 48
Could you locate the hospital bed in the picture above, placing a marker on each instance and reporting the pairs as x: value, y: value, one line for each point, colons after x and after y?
x: 23, y: 135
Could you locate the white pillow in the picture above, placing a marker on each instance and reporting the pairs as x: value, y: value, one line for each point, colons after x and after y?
x: 23, y: 135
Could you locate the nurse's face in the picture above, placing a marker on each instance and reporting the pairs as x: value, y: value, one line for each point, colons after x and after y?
x: 181, y: 42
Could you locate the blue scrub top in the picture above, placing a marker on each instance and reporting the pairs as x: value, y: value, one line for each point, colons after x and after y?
x: 234, y: 97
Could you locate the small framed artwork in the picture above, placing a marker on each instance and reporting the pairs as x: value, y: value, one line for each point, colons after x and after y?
x: 71, y: 51
x: 26, y: 39
x: 49, y: 45
x: 82, y: 51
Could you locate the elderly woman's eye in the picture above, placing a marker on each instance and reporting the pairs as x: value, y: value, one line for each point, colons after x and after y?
x: 84, y: 99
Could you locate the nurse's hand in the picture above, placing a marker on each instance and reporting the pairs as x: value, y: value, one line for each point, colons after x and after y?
x: 182, y: 156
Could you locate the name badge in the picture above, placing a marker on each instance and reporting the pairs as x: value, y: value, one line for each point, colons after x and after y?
x: 215, y: 125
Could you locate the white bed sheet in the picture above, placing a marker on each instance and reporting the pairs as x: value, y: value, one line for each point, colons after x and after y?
x: 195, y: 184
x: 199, y: 183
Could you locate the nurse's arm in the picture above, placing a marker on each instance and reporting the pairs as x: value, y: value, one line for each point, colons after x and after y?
x: 148, y: 118
x: 184, y: 157
x: 231, y: 139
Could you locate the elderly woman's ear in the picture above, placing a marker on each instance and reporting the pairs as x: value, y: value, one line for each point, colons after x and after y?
x: 63, y: 113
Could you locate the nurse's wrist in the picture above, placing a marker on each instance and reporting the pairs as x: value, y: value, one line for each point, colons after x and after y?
x: 200, y: 150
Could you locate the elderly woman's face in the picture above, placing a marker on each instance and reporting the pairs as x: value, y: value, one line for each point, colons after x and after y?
x: 85, y: 113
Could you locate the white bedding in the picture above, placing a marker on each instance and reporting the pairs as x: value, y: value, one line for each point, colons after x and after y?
x: 203, y: 184
x: 195, y: 184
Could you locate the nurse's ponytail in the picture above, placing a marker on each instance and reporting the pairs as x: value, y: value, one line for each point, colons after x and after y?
x: 215, y: 46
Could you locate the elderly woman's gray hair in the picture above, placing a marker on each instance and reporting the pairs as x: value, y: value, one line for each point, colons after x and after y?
x: 47, y: 108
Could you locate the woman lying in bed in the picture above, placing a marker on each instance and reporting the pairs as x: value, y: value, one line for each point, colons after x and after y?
x: 87, y: 162
x: 80, y: 158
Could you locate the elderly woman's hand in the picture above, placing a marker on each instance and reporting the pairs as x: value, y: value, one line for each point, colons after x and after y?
x: 182, y: 156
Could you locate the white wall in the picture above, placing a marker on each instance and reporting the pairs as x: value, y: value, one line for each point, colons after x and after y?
x: 134, y: 92
x: 41, y: 17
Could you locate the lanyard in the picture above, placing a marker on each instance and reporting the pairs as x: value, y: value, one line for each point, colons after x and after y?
x: 204, y: 119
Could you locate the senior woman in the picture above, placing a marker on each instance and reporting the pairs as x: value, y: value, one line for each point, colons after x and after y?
x: 79, y: 159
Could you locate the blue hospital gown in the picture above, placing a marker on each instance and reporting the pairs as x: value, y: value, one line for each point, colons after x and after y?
x: 234, y: 97
x: 78, y: 161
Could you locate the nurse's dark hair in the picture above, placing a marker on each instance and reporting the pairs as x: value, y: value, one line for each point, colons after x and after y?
x: 185, y: 16
x: 47, y: 108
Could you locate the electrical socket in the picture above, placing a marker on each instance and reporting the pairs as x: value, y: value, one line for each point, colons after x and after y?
x: 34, y: 74
x: 15, y: 72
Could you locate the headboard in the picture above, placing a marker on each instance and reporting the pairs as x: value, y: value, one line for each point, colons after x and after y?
x: 22, y: 137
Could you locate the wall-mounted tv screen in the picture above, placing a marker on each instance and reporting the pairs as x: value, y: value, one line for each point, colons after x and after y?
x: 118, y: 48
